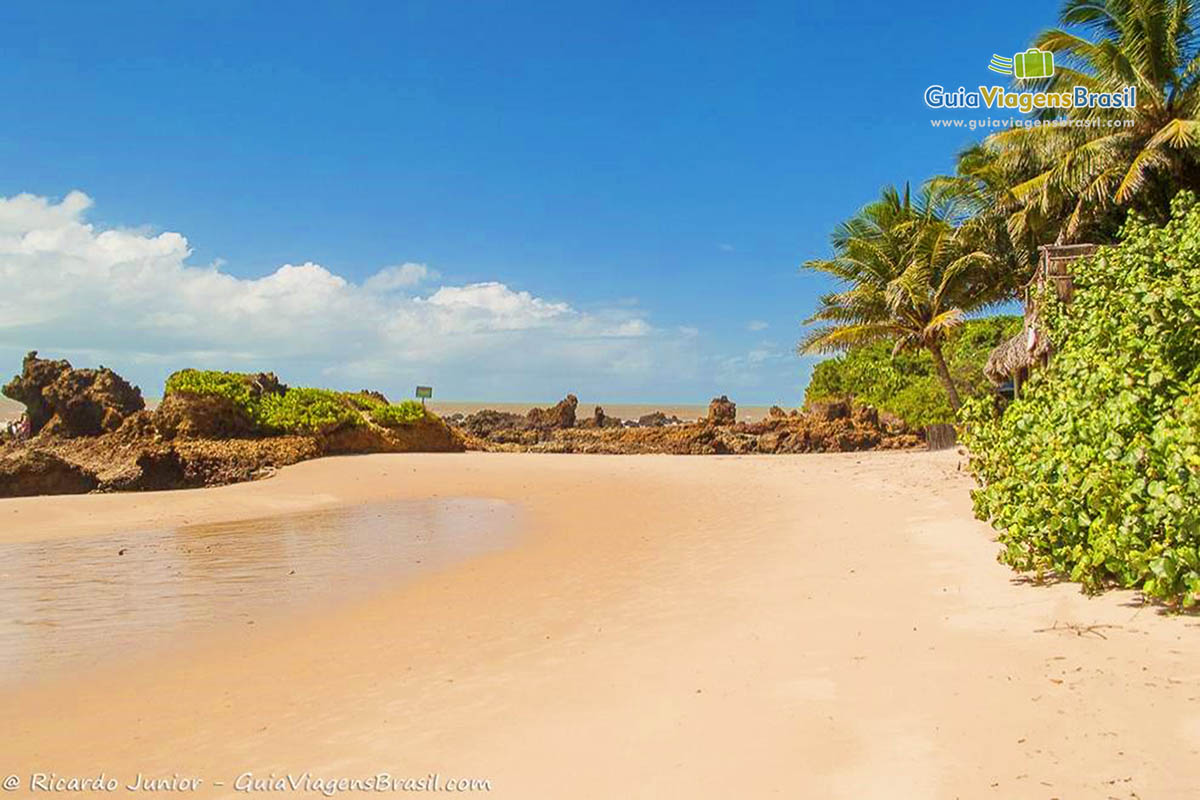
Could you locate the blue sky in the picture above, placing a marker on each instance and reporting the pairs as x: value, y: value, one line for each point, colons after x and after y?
x: 659, y: 170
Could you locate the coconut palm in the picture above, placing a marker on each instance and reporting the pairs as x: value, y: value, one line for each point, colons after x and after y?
x: 1082, y: 178
x: 909, y: 278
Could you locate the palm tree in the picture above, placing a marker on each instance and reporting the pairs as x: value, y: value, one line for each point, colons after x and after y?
x: 909, y: 277
x: 1077, y: 181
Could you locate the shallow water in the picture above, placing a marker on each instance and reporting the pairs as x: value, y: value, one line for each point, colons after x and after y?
x: 77, y: 602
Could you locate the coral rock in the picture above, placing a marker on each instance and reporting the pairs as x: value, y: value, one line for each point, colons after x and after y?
x: 35, y: 472
x: 72, y: 402
x: 560, y: 416
x: 722, y: 411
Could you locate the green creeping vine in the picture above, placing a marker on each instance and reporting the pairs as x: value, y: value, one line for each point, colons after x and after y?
x: 1092, y: 474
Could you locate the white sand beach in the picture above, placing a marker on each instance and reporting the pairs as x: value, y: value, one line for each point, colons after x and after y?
x: 808, y: 626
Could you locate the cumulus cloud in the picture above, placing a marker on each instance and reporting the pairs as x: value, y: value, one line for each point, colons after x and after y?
x: 131, y: 299
x: 400, y: 276
x: 756, y: 325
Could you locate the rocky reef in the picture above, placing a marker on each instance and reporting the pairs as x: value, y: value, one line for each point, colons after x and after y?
x: 72, y: 402
x: 828, y: 427
x: 90, y: 430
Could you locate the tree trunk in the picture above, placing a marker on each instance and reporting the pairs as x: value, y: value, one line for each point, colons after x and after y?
x: 939, y: 363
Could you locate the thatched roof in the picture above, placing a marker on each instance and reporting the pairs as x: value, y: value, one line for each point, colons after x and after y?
x: 1014, y: 354
x: 1024, y: 349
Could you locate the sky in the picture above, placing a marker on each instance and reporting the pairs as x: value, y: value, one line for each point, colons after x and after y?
x: 507, y: 201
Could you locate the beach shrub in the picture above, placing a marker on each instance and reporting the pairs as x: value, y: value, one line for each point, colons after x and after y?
x: 233, y: 386
x: 1092, y: 474
x: 363, y: 401
x: 304, y: 410
x: 297, y: 410
x: 906, y: 384
x: 404, y: 413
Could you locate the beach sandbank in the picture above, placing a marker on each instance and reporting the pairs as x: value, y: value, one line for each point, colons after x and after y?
x: 819, y: 625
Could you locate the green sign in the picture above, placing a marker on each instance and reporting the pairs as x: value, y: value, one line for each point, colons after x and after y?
x: 424, y: 392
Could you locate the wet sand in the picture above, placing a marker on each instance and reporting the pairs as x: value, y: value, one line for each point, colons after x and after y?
x: 794, y: 626
x: 75, y: 603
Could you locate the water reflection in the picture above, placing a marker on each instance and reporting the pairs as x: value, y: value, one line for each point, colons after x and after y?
x: 73, y: 602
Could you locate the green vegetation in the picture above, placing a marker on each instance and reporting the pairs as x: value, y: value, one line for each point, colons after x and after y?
x: 911, y: 271
x: 1076, y: 182
x: 906, y: 384
x: 403, y: 413
x: 908, y: 279
x: 1090, y: 475
x: 231, y: 385
x: 296, y: 410
x: 1093, y: 474
x: 303, y: 410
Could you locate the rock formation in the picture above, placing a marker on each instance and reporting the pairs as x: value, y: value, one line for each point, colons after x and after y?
x: 92, y: 433
x: 32, y: 472
x: 601, y: 420
x: 657, y: 419
x: 561, y: 415
x: 857, y: 428
x: 830, y: 410
x: 72, y: 402
x: 722, y: 411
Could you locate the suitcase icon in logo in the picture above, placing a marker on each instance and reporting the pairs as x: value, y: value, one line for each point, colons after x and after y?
x: 1033, y: 63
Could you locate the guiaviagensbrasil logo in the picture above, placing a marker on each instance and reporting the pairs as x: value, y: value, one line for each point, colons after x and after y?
x: 1031, y: 64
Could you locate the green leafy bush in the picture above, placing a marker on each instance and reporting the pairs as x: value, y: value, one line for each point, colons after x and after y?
x: 302, y: 410
x: 298, y: 410
x: 1092, y: 474
x: 906, y: 384
x: 363, y: 401
x: 404, y: 413
x: 232, y: 385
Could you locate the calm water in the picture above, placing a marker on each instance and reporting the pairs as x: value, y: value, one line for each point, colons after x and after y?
x: 80, y: 601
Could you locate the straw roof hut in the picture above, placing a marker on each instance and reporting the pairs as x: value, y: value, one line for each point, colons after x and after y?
x: 1016, y: 357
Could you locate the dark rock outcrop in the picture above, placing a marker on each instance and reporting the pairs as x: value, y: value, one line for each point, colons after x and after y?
x: 94, y: 434
x: 830, y: 410
x: 855, y: 429
x: 189, y: 416
x: 601, y: 420
x: 866, y: 415
x: 33, y: 472
x: 64, y: 401
x: 488, y: 422
x: 657, y: 419
x: 562, y: 415
x: 722, y: 411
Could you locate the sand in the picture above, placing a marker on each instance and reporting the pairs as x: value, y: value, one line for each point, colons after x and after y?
x: 793, y: 626
x: 10, y: 409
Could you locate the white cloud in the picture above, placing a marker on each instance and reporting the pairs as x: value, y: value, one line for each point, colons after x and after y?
x: 725, y: 247
x: 756, y: 325
x: 400, y: 276
x: 130, y: 299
